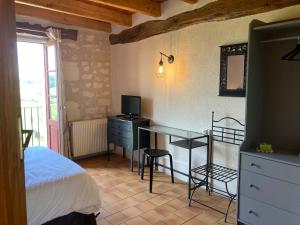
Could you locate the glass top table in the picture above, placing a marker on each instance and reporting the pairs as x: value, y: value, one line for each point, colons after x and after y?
x: 180, y: 133
x: 188, y: 141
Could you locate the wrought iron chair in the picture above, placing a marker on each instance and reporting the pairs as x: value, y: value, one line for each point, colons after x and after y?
x: 230, y: 135
x: 27, y: 134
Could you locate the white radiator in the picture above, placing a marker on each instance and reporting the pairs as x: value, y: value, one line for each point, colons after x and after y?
x: 88, y: 137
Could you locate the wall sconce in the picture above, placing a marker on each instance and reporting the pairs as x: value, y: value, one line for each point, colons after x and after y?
x: 161, y: 70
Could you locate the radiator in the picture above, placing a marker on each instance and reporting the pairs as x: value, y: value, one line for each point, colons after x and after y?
x: 88, y: 137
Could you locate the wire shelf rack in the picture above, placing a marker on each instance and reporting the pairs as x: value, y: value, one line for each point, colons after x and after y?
x: 217, y: 172
x: 210, y: 171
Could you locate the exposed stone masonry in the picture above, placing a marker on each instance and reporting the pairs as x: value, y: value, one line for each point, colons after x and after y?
x: 86, y: 71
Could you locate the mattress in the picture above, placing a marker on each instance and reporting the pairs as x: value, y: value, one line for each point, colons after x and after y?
x: 56, y: 186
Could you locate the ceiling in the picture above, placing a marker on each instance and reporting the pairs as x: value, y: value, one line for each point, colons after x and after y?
x: 92, y: 14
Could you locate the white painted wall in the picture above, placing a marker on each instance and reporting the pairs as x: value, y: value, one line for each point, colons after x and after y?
x: 189, y: 93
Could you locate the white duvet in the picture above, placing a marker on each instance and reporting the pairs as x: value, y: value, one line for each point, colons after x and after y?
x: 56, y: 186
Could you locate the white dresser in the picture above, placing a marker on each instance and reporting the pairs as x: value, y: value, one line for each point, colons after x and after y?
x: 269, y: 189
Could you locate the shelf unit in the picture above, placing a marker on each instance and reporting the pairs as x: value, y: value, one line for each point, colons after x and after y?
x: 217, y: 172
x: 185, y: 143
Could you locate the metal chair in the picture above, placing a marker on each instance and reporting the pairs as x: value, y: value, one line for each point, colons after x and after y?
x: 152, y: 154
x: 27, y: 134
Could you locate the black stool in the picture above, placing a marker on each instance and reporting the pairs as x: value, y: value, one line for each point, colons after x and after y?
x: 154, y: 154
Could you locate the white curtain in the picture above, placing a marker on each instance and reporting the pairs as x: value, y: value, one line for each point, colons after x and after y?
x: 55, y: 35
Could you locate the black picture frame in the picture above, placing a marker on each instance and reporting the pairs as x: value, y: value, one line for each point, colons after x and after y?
x: 230, y: 50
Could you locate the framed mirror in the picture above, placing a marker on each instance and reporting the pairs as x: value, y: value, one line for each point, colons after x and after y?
x: 233, y: 70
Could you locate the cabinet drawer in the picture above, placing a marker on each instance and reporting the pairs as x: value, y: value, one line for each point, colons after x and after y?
x: 126, y: 143
x: 256, y: 213
x: 120, y: 125
x: 271, y: 168
x: 120, y: 133
x: 121, y: 141
x: 112, y: 138
x: 278, y: 193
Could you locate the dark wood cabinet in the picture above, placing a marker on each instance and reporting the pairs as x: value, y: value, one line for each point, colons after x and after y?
x: 123, y: 132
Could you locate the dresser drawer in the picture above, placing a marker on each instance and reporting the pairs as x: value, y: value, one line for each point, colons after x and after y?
x: 278, y: 193
x: 123, y: 126
x: 271, y: 168
x: 119, y: 132
x: 256, y: 213
x: 121, y: 141
x: 112, y: 138
x: 126, y: 143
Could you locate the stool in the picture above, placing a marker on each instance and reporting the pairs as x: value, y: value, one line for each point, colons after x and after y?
x: 154, y: 154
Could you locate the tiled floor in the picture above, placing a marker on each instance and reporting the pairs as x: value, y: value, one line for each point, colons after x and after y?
x: 126, y: 199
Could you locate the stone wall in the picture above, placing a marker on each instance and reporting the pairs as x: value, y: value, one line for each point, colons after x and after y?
x: 86, y: 76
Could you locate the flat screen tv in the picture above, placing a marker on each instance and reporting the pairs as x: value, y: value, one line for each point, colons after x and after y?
x: 131, y: 105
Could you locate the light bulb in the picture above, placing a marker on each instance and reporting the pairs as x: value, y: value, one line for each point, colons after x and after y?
x: 161, y: 69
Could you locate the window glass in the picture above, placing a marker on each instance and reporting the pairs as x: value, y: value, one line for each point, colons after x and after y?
x: 52, y: 83
x: 51, y: 57
x: 53, y: 108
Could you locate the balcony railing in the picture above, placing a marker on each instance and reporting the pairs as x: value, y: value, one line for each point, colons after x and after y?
x: 33, y: 118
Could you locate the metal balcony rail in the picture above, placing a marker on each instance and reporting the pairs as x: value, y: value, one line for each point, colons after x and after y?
x: 32, y: 120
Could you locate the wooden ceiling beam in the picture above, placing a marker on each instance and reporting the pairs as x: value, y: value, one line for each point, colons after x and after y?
x: 147, y: 7
x: 190, y: 1
x: 61, y: 18
x: 82, y: 9
x: 215, y: 11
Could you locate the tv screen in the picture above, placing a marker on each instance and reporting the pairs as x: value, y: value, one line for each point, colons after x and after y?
x: 131, y: 105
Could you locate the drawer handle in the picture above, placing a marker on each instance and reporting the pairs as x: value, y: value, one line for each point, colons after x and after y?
x: 254, y: 165
x: 254, y: 186
x: 253, y: 213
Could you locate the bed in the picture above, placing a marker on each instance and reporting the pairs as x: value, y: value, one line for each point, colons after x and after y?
x: 58, y: 191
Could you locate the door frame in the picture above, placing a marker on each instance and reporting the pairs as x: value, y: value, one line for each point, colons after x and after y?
x: 59, y: 92
x: 44, y: 40
x: 51, y: 122
x: 12, y: 188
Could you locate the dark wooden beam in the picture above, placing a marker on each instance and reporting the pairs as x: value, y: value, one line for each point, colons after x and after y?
x: 61, y: 18
x: 190, y: 1
x: 215, y: 11
x: 39, y: 30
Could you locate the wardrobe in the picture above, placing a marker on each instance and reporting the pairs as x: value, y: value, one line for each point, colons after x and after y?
x: 269, y: 184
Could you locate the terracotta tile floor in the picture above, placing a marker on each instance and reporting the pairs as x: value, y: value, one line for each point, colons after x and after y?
x: 126, y: 199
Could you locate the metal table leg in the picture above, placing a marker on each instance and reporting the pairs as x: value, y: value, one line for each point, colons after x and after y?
x: 131, y: 161
x: 139, y: 152
x: 190, y: 168
x: 108, y: 156
x: 208, y: 162
x: 156, y: 160
x: 124, y: 152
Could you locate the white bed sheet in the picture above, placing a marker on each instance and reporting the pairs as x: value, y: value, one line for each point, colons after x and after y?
x: 56, y: 186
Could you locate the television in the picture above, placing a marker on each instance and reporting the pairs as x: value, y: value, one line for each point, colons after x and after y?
x: 131, y: 105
